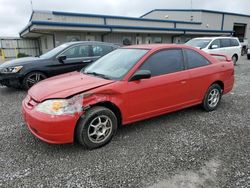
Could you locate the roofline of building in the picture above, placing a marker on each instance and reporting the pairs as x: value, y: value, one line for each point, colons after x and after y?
x: 197, y: 10
x: 121, y: 27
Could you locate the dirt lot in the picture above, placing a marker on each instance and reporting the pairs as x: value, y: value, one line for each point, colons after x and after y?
x: 189, y: 148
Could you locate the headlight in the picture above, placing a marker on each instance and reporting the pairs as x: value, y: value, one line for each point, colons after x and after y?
x: 11, y: 69
x: 61, y: 106
x: 248, y: 51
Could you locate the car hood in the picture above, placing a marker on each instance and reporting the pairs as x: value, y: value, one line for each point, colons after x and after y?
x: 20, y: 61
x: 65, y: 85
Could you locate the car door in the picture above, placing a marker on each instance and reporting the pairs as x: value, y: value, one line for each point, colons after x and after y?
x: 200, y: 74
x: 165, y: 90
x: 77, y: 57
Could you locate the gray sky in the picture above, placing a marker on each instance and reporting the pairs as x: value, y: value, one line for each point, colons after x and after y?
x: 15, y: 14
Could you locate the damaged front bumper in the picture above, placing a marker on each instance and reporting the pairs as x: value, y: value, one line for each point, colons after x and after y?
x: 49, y: 128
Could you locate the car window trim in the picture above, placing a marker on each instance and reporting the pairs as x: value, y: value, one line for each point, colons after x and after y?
x: 183, y: 63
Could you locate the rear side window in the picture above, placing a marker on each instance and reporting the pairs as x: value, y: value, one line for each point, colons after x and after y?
x: 234, y: 42
x: 225, y: 43
x: 164, y: 62
x: 194, y: 59
x: 101, y: 50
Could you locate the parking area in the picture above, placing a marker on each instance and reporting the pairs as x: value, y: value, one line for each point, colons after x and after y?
x: 188, y: 148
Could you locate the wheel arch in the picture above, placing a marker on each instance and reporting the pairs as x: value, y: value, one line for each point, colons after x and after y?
x: 32, y: 71
x: 111, y: 106
x: 236, y: 55
x: 114, y: 108
x: 220, y: 83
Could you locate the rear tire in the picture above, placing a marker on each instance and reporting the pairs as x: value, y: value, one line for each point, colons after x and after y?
x: 235, y: 59
x: 96, y: 128
x: 212, y: 97
x: 248, y: 56
x: 32, y: 79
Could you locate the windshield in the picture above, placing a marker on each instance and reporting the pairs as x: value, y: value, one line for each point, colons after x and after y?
x: 200, y: 43
x: 54, y: 51
x: 116, y: 64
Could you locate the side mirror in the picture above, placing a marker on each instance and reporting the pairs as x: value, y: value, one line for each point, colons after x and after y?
x: 141, y: 74
x: 61, y: 58
x: 214, y: 46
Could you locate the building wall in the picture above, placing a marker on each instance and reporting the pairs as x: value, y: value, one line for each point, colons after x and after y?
x: 229, y: 21
x: 140, y: 23
x: 211, y: 21
x: 69, y: 27
x: 117, y: 38
x: 11, y: 47
x: 48, y: 16
x: 46, y: 43
x: 175, y: 15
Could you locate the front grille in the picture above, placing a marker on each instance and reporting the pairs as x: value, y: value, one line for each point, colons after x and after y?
x: 30, y: 103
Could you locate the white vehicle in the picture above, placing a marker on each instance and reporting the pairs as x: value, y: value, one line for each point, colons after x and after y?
x: 229, y: 46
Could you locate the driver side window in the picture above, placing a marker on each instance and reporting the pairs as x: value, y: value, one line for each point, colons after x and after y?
x: 164, y: 62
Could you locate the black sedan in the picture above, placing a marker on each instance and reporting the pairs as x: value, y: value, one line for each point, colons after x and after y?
x: 72, y: 56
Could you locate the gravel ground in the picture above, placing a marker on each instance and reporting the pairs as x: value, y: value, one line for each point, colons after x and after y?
x: 189, y: 148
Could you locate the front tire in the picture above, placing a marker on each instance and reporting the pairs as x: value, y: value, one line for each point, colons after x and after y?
x: 32, y: 79
x: 96, y: 128
x: 212, y: 97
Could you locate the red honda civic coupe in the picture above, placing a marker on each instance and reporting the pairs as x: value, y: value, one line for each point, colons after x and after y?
x: 127, y: 85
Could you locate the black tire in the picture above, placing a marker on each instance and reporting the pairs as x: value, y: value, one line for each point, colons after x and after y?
x: 248, y: 56
x: 209, y: 103
x: 27, y: 83
x: 235, y: 59
x: 85, y: 127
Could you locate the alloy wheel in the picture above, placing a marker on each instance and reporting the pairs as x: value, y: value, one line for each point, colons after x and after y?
x: 213, y: 98
x: 34, y: 78
x: 100, y: 129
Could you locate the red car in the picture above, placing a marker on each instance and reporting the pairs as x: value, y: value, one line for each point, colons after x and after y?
x: 125, y: 86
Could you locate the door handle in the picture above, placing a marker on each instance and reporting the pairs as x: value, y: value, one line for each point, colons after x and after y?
x: 183, y: 82
x: 87, y: 61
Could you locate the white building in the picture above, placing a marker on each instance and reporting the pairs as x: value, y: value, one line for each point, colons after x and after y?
x: 53, y: 28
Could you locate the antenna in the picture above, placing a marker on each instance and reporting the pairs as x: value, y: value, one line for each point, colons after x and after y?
x: 31, y: 3
x: 191, y: 17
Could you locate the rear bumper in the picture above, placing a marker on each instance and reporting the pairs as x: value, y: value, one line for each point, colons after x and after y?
x: 48, y: 128
x: 229, y: 84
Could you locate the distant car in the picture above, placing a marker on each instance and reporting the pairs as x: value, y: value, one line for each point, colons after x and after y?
x: 125, y: 86
x: 25, y: 72
x: 229, y: 46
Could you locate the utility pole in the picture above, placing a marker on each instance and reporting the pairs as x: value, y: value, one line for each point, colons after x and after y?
x: 31, y: 3
x: 192, y: 17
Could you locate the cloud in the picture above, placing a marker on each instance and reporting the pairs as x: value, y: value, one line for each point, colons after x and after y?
x: 15, y: 14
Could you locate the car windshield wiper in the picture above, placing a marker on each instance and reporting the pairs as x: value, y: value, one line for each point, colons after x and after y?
x: 98, y: 74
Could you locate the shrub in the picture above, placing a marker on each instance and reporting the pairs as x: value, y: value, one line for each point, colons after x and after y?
x: 19, y: 55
